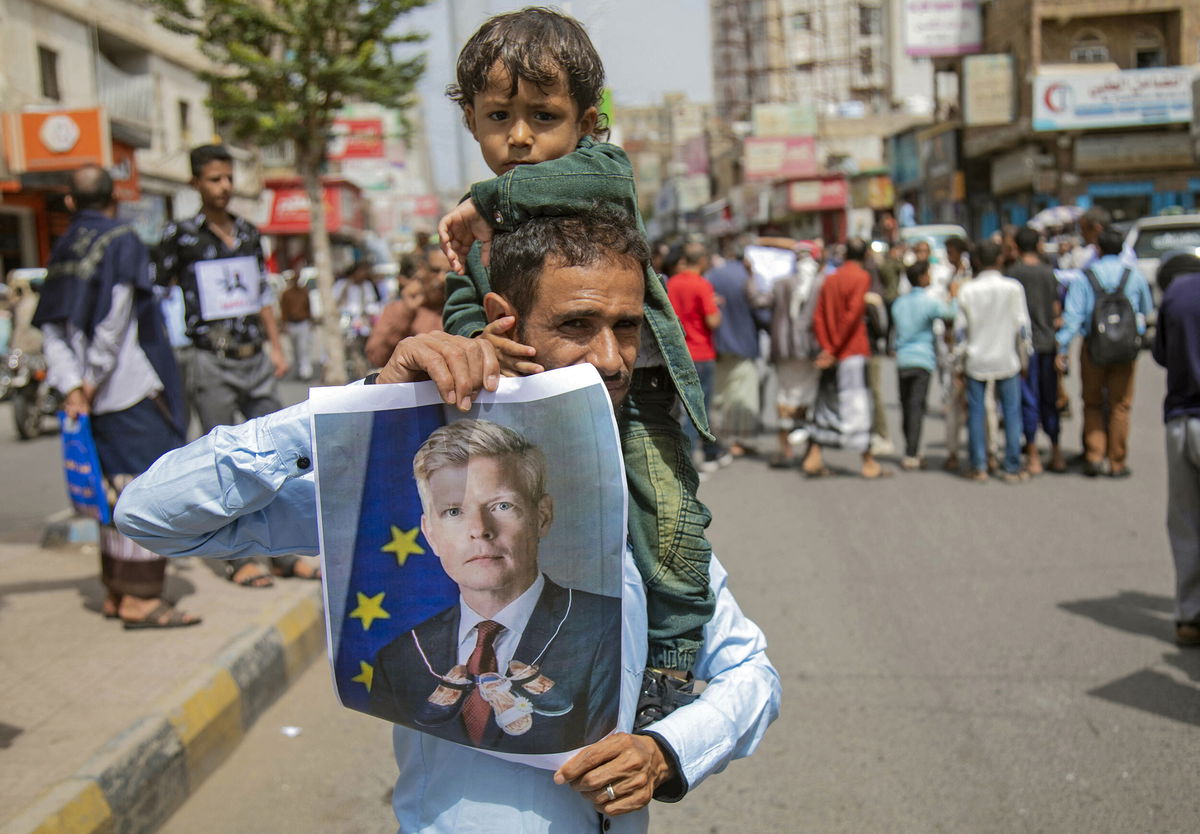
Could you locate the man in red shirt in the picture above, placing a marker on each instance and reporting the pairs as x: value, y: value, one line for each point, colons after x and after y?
x: 842, y: 415
x: 699, y: 311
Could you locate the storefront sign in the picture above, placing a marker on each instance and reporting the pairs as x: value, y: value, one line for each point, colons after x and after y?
x: 788, y: 157
x: 357, y: 139
x: 1074, y: 101
x: 291, y: 211
x: 942, y: 27
x: 817, y: 195
x: 872, y: 192
x: 1132, y: 152
x: 1014, y: 171
x: 57, y: 140
x: 988, y: 97
x: 773, y: 121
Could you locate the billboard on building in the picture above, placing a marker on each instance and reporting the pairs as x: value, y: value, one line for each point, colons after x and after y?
x: 988, y: 90
x: 1071, y: 100
x: 817, y: 194
x: 57, y: 140
x: 782, y: 120
x: 785, y: 157
x: 934, y: 28
x: 357, y: 139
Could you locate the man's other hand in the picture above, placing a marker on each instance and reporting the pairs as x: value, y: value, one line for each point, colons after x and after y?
x: 824, y: 360
x: 77, y: 402
x: 279, y: 361
x: 1060, y: 362
x: 515, y: 358
x: 633, y: 765
x: 460, y: 367
x: 459, y: 229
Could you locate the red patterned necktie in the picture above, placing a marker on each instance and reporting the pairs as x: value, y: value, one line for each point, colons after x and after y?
x: 476, y: 711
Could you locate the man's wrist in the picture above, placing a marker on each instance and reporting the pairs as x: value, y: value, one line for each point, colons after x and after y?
x: 672, y: 787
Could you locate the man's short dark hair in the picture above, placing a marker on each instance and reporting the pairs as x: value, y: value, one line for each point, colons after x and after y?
x: 205, y: 154
x: 91, y: 188
x: 1111, y: 242
x: 1182, y: 263
x: 989, y: 253
x: 1027, y: 240
x: 601, y: 234
x: 957, y: 243
x: 537, y: 44
x: 856, y: 249
x: 916, y: 271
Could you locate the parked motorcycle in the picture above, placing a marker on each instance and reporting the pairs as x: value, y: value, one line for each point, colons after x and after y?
x: 33, y: 400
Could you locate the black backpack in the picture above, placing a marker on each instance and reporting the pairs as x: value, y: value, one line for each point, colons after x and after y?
x: 1113, y: 336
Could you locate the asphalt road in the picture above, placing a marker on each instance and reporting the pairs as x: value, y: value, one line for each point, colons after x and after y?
x: 955, y: 658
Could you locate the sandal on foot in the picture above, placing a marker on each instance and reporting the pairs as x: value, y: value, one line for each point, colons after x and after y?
x: 255, y: 580
x: 823, y: 472
x: 289, y: 571
x: 174, y: 618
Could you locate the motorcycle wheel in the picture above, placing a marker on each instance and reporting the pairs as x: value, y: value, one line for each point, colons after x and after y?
x: 26, y: 413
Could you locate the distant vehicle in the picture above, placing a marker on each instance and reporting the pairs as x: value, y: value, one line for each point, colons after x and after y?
x: 1152, y: 237
x: 935, y: 235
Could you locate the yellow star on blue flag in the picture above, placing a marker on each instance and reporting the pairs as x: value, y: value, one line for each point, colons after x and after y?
x: 403, y: 544
x: 366, y: 676
x: 370, y: 609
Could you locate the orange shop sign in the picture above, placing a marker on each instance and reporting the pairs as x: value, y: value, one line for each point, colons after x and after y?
x: 57, y: 140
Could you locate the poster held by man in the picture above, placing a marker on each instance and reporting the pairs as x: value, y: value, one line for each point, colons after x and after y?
x: 473, y: 562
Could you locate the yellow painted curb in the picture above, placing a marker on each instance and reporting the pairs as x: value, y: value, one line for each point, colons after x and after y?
x: 79, y: 807
x: 208, y: 722
x: 302, y: 632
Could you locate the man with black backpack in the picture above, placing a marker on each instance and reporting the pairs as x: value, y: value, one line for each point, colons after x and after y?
x: 1108, y: 307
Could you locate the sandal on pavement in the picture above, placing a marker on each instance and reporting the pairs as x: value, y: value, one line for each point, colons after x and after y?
x: 823, y: 472
x: 288, y: 571
x: 163, y: 616
x: 254, y: 580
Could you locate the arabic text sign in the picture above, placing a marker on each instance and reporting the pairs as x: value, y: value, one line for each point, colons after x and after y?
x: 942, y: 27
x: 785, y: 157
x: 1070, y: 101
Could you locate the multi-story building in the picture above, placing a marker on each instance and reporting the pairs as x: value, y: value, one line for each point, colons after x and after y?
x: 1095, y: 110
x: 72, y: 55
x: 842, y: 62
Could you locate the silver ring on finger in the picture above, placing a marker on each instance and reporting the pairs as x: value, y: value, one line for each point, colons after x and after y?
x: 612, y: 795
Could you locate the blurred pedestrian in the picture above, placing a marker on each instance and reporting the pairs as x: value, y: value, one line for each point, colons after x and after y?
x: 296, y: 312
x: 1039, y: 387
x: 359, y: 300
x: 794, y: 346
x: 992, y: 330
x: 106, y: 346
x: 842, y: 414
x: 1177, y: 348
x: 699, y: 312
x: 1111, y: 339
x: 915, y: 314
x: 736, y: 405
x: 407, y: 316
x: 216, y: 258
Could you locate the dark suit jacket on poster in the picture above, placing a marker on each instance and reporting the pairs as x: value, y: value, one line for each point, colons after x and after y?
x: 584, y: 659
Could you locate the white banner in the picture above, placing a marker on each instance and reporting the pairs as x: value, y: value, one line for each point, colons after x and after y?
x: 229, y: 287
x: 1118, y: 98
x: 942, y: 27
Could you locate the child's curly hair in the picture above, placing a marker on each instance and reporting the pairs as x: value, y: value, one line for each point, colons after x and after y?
x: 535, y: 44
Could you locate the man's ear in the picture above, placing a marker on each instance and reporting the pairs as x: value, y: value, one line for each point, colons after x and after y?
x: 497, y: 307
x: 425, y: 533
x: 545, y: 515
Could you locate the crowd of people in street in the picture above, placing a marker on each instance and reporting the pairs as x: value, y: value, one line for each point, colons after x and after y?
x: 993, y: 322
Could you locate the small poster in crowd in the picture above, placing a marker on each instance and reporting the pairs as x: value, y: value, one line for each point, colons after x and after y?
x: 229, y: 287
x: 81, y: 465
x: 769, y: 263
x: 473, y: 562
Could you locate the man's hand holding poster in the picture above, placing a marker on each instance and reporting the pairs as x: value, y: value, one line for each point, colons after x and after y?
x: 473, y: 562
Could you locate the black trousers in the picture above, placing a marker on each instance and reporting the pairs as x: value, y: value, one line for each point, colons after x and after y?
x: 914, y: 390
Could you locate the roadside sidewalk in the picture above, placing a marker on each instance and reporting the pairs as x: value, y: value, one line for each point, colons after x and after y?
x: 107, y: 730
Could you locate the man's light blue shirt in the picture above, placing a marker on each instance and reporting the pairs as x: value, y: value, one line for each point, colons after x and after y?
x: 248, y: 491
x: 1081, y: 300
x: 914, y: 314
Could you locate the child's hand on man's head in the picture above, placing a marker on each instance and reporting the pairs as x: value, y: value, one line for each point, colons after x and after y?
x: 514, y: 357
x: 461, y: 228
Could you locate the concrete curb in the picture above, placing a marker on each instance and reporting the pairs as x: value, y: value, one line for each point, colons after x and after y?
x: 139, y: 778
x: 69, y: 528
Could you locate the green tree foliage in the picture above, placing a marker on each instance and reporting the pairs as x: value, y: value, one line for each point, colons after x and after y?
x: 282, y: 69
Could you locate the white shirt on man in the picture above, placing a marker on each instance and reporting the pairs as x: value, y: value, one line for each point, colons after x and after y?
x: 514, y: 617
x: 992, y: 325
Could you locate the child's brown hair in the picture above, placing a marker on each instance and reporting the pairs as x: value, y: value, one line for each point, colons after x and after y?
x: 534, y: 44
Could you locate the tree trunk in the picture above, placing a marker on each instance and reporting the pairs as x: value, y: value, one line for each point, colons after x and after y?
x: 331, y: 320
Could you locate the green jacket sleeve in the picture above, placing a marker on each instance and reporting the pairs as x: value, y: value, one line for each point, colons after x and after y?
x: 462, y: 314
x: 593, y: 172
